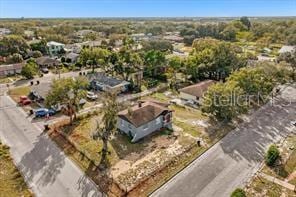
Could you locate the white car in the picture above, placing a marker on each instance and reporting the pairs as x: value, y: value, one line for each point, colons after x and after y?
x: 91, y: 96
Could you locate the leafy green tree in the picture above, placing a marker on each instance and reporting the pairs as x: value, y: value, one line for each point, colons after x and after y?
x: 222, y: 101
x: 245, y: 20
x: 13, y: 44
x: 290, y: 58
x: 37, y: 54
x: 68, y: 92
x: 94, y: 57
x: 39, y: 46
x: 160, y: 45
x: 154, y: 60
x: 108, y: 126
x: 175, y: 64
x: 15, y: 58
x: 238, y: 193
x: 30, y: 69
x: 272, y: 155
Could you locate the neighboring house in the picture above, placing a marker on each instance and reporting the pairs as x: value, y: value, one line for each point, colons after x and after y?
x: 195, y: 92
x: 54, y: 48
x: 144, y: 118
x: 101, y: 82
x: 45, y: 62
x: 72, y: 57
x: 74, y: 48
x: 82, y: 33
x: 11, y: 69
x: 286, y: 49
x: 4, y: 31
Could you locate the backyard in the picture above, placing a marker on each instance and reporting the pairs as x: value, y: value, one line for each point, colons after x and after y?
x: 136, y: 168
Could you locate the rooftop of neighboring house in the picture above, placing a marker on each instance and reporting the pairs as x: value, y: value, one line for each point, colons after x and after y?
x: 72, y: 55
x: 45, y: 60
x: 53, y: 43
x: 143, y: 112
x: 7, y: 67
x: 287, y: 48
x: 198, y: 89
x: 173, y: 38
x: 106, y: 80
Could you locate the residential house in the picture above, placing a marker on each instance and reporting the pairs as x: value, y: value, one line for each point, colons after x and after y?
x: 144, y: 118
x: 173, y: 38
x: 45, y: 62
x: 286, y: 49
x: 74, y: 48
x: 4, y: 31
x: 54, y: 48
x: 11, y: 69
x: 102, y: 82
x: 72, y: 57
x: 194, y: 93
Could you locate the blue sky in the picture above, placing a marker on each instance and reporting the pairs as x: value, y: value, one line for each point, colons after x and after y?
x: 145, y: 8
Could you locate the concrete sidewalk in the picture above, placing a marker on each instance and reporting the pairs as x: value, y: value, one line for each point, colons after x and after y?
x: 278, y: 181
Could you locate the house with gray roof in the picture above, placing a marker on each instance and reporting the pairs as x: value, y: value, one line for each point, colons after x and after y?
x: 101, y: 82
x: 144, y: 118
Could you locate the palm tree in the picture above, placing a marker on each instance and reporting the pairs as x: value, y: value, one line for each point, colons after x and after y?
x: 104, y: 131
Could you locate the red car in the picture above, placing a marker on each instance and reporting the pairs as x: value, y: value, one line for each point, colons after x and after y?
x: 24, y: 100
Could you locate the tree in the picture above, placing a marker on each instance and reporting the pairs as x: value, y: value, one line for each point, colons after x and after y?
x: 222, y: 101
x: 108, y: 126
x: 175, y: 64
x: 290, y: 58
x: 95, y: 56
x: 37, y: 54
x: 13, y: 44
x: 160, y: 45
x: 245, y: 20
x: 68, y: 92
x: 15, y: 58
x: 238, y: 193
x: 154, y: 60
x: 272, y: 155
x: 30, y: 69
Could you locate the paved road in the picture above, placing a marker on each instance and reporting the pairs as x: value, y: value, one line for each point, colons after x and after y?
x: 45, y: 167
x: 234, y: 160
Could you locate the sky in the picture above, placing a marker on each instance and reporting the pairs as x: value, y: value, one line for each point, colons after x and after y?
x: 145, y: 8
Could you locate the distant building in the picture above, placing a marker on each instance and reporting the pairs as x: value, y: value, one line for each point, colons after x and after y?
x: 101, y: 82
x: 54, y: 48
x: 45, y: 62
x: 4, y: 31
x: 144, y: 118
x: 72, y: 57
x: 11, y: 69
x: 173, y: 38
x: 195, y: 92
x: 286, y: 49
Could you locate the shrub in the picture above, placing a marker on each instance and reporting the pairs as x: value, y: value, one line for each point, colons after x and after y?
x: 272, y: 154
x: 238, y: 193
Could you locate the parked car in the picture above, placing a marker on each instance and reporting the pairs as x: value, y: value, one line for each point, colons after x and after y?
x: 91, y: 96
x: 24, y: 100
x: 44, y: 70
x: 41, y: 112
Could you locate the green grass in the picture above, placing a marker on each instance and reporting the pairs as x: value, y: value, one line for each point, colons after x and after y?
x: 187, y: 128
x: 11, y: 181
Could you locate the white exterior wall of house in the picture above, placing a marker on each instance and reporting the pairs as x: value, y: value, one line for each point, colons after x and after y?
x: 144, y: 130
x: 54, y: 48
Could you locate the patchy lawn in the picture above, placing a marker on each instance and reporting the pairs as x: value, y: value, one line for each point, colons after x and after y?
x: 15, y: 93
x: 260, y: 187
x: 287, y: 164
x: 11, y: 181
x: 284, y: 169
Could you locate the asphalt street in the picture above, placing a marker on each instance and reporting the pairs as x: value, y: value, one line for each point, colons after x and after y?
x: 236, y: 158
x: 46, y: 169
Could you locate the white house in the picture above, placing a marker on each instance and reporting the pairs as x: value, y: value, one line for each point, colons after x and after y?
x: 286, y: 49
x: 54, y: 48
x: 144, y: 118
x: 194, y: 93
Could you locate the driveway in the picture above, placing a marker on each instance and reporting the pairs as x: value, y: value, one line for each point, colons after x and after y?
x: 233, y: 161
x: 46, y: 169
